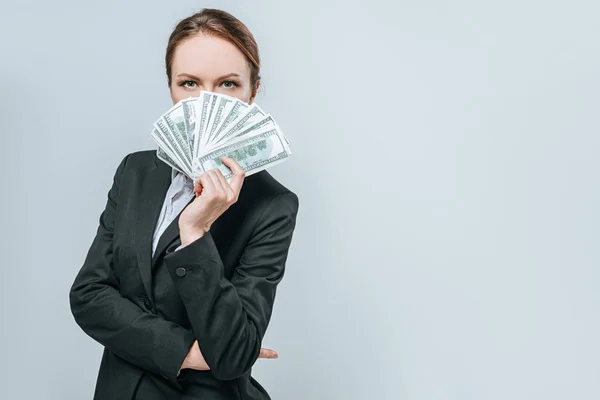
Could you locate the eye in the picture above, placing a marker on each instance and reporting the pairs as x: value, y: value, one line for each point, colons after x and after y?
x: 188, y: 84
x: 229, y: 84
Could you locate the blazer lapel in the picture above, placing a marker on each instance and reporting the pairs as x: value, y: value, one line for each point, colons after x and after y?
x: 168, y: 236
x: 153, y: 192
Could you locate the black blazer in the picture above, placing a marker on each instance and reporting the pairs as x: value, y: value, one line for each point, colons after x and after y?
x: 147, y: 311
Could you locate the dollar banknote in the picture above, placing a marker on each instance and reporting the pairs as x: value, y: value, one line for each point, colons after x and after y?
x: 255, y: 152
x: 194, y: 134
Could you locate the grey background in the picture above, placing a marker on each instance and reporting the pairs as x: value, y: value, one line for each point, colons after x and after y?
x: 445, y: 157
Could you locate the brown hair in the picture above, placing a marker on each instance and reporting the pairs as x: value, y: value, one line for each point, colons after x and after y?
x: 220, y: 24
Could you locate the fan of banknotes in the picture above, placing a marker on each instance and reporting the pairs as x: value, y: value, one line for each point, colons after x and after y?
x: 196, y: 132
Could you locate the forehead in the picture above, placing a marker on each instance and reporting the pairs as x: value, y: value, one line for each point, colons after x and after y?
x: 208, y: 56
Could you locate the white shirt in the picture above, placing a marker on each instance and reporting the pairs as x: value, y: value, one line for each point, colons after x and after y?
x: 178, y: 196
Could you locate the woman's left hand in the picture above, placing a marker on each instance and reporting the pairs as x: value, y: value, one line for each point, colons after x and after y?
x: 195, y: 359
x: 213, y: 197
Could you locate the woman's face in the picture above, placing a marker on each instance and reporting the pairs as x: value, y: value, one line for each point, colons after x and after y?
x: 212, y: 64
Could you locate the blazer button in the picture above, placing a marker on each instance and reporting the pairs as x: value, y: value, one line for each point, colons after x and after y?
x: 180, y: 271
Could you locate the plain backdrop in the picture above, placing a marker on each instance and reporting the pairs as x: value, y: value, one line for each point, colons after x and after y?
x: 446, y: 161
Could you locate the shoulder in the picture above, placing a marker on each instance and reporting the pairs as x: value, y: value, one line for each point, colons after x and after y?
x: 263, y: 188
x: 139, y: 159
x: 136, y: 163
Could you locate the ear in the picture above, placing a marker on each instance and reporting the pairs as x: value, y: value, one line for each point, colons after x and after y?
x: 254, y: 91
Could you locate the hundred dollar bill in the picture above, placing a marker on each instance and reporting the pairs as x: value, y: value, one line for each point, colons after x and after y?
x: 269, y: 124
x: 261, y: 150
x: 285, y: 137
x: 175, y: 142
x: 196, y: 132
x: 223, y: 104
x: 206, y: 126
x: 252, y: 112
x: 253, y: 125
x: 233, y: 113
x: 189, y: 117
x: 204, y: 101
x: 167, y: 154
x: 164, y: 157
x: 176, y: 122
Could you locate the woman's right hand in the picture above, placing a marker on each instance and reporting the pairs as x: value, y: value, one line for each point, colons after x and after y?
x: 195, y: 359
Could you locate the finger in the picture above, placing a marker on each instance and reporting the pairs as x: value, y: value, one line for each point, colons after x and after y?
x: 238, y: 174
x: 219, y: 189
x: 197, y: 187
x: 226, y: 187
x: 207, y: 184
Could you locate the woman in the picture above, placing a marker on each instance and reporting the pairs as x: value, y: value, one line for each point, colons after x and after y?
x: 180, y: 279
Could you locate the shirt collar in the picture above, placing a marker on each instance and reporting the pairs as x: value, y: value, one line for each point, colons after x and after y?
x: 186, y: 181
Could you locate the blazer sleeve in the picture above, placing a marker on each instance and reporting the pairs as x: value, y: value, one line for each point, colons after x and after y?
x: 140, y: 337
x: 229, y: 317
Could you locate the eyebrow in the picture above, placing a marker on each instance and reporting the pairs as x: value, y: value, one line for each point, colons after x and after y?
x: 233, y: 74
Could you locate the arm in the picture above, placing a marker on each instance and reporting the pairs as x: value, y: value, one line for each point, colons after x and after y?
x: 229, y: 317
x: 141, y: 338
